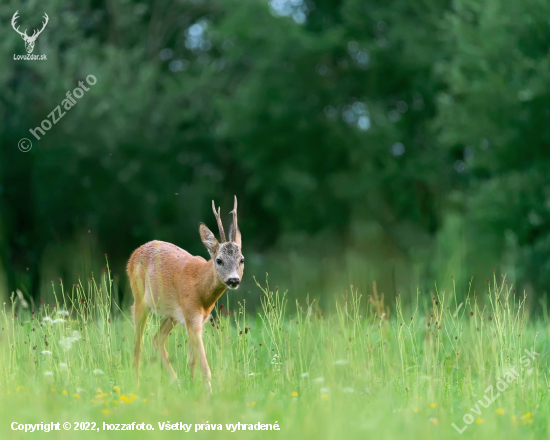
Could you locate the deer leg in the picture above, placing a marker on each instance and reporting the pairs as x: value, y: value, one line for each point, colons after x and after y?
x: 141, y: 312
x: 205, y: 369
x: 195, y: 341
x: 191, y: 354
x: 159, y: 341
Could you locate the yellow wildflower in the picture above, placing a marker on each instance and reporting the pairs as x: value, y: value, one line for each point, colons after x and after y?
x: 500, y: 411
x: 478, y: 421
x: 415, y: 410
x: 106, y: 411
x: 65, y: 393
x: 432, y: 405
x: 294, y: 394
x: 434, y: 421
x: 116, y: 388
x: 324, y: 397
x: 124, y: 398
x: 76, y: 396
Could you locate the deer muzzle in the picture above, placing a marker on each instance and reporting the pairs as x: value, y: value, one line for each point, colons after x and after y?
x: 233, y: 282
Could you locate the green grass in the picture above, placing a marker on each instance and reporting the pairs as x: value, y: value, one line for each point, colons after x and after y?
x: 367, y: 369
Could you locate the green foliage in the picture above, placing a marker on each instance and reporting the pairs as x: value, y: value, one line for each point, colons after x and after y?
x: 493, y: 119
x: 357, y: 371
x: 350, y: 129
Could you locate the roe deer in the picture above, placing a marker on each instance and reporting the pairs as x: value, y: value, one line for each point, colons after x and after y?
x: 183, y: 289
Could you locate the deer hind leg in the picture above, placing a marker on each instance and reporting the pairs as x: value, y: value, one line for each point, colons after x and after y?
x: 196, y: 352
x: 159, y: 342
x: 140, y: 312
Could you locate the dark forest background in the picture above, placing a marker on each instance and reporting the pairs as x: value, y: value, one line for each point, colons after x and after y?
x: 397, y: 141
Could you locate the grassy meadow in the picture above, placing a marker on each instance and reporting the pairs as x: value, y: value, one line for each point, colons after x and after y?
x: 373, y: 367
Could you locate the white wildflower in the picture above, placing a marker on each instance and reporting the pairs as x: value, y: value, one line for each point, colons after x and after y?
x: 98, y: 372
x: 67, y: 342
x: 319, y: 380
x: 48, y: 373
x: 63, y: 365
x: 46, y: 352
x: 276, y: 362
x: 324, y: 390
x: 22, y: 300
x: 47, y: 319
x: 80, y: 390
x: 63, y: 312
x: 341, y: 362
x: 58, y: 320
x: 304, y: 374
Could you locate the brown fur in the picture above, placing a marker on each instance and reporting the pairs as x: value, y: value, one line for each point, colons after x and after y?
x: 183, y: 289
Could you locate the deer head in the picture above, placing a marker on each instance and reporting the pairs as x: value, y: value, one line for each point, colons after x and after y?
x: 29, y: 41
x: 227, y: 256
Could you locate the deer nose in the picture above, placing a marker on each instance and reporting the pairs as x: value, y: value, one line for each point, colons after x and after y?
x: 233, y: 282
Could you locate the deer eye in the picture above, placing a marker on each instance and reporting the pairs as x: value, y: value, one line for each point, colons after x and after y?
x: 242, y: 260
x: 219, y: 262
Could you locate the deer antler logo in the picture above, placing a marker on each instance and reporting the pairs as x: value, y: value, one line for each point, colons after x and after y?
x: 29, y: 41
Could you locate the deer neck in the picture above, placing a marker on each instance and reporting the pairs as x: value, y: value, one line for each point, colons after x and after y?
x: 210, y: 286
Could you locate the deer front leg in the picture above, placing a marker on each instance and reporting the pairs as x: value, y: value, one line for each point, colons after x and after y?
x: 196, y: 352
x: 191, y: 358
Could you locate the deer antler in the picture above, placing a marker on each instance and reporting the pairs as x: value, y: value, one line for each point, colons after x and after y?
x: 234, y: 233
x: 219, y: 220
x: 35, y: 34
x: 13, y: 20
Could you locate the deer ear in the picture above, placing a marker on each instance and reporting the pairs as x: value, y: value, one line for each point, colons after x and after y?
x: 208, y: 239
